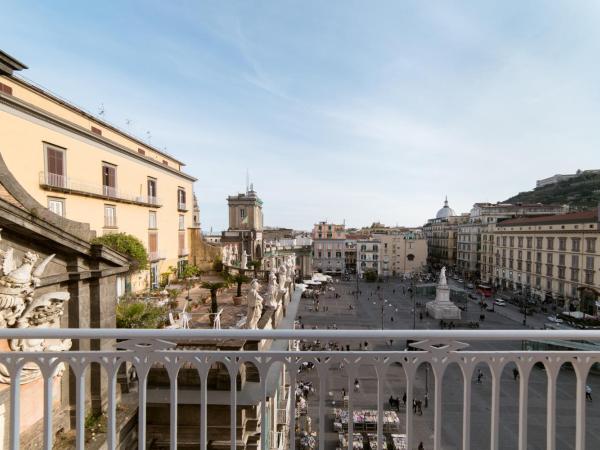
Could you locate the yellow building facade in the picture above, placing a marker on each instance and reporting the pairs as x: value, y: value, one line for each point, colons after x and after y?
x: 87, y: 170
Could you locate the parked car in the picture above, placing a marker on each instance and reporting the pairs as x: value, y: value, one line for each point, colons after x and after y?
x: 470, y: 286
x: 555, y: 319
x: 499, y: 302
x: 460, y: 280
x: 473, y: 296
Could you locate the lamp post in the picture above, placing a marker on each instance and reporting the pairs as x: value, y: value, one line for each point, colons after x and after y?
x: 412, y: 294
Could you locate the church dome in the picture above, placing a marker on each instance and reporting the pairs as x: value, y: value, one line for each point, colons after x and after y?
x: 445, y: 212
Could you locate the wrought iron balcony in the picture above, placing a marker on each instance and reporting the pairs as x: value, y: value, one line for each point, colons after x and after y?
x: 145, y: 350
x: 69, y: 185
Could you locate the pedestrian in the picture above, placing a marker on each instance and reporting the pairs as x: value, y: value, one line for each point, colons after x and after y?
x: 426, y: 399
x: 356, y: 385
x: 420, y: 316
x: 479, y: 376
x: 419, y: 407
x: 414, y: 406
x: 421, y: 447
x: 588, y: 392
x: 515, y: 373
x: 343, y: 393
x: 404, y: 399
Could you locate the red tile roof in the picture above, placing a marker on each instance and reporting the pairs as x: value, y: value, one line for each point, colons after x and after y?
x: 574, y: 217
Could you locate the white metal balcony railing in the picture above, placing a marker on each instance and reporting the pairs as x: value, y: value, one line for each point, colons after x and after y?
x: 157, y: 255
x: 184, y: 251
x: 181, y: 206
x: 147, y: 348
x: 52, y: 180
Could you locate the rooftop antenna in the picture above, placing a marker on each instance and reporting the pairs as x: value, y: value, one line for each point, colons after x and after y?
x: 101, y: 110
x: 148, y: 136
x: 247, y: 181
x: 128, y: 123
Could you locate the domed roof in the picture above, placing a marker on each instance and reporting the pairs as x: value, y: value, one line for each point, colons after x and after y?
x: 445, y: 212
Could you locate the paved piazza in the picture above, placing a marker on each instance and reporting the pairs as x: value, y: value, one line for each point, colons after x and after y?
x: 347, y: 312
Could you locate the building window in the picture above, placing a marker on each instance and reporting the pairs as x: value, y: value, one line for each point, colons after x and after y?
x: 109, y: 180
x: 152, y: 192
x: 589, y: 277
x: 181, y: 242
x: 5, y: 89
x: 153, y: 244
x: 575, y: 244
x: 96, y: 130
x: 512, y: 241
x: 110, y: 216
x: 520, y: 241
x: 141, y: 151
x: 550, y: 243
x: 57, y: 205
x: 562, y: 244
x: 152, y: 223
x: 589, y: 263
x: 548, y: 270
x: 561, y: 272
x: 55, y: 167
x: 181, y: 222
x: 181, y: 201
x: 538, y: 243
x: 529, y: 242
x: 591, y: 245
x: 549, y: 258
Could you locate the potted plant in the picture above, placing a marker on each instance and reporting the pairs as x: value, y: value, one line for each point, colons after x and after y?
x: 239, y: 279
x: 214, y: 288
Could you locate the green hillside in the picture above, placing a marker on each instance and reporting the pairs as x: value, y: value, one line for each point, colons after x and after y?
x: 582, y: 192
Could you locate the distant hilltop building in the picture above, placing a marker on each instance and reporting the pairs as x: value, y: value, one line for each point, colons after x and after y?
x: 561, y: 177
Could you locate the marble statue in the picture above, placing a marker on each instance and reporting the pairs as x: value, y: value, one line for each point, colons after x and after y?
x: 443, y: 281
x: 255, y: 305
x: 442, y: 307
x: 272, y: 289
x: 244, y: 261
x: 224, y: 255
x: 20, y: 308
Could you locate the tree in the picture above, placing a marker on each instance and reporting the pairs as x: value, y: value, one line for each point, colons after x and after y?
x: 239, y: 279
x: 190, y: 275
x: 128, y: 245
x: 214, y: 288
x: 370, y: 275
x: 256, y: 265
x: 137, y: 313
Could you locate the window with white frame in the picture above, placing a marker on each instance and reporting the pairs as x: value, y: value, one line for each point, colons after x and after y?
x: 57, y: 205
x: 110, y: 216
x: 181, y: 222
x: 152, y: 222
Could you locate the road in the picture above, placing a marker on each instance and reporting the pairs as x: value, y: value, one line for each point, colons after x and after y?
x: 365, y: 312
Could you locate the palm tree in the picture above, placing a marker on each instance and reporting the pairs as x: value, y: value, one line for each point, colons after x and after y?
x: 239, y: 279
x: 214, y: 288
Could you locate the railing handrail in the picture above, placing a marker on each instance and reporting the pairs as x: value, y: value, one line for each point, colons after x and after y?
x: 449, y: 335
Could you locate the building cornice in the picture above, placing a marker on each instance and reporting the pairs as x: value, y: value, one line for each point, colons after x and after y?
x: 50, y: 118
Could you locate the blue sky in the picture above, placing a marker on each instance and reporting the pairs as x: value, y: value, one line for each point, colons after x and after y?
x: 340, y: 110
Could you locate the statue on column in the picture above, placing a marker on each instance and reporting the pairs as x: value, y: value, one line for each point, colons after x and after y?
x: 443, y: 281
x: 272, y: 288
x: 244, y: 261
x: 255, y: 305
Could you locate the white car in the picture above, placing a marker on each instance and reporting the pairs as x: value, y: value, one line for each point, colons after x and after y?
x: 554, y: 319
x: 499, y: 302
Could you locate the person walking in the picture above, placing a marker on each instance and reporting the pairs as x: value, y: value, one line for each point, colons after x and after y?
x: 404, y: 399
x: 426, y: 399
x: 479, y: 376
x: 356, y: 385
x: 421, y: 447
x: 588, y: 392
x: 515, y: 373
